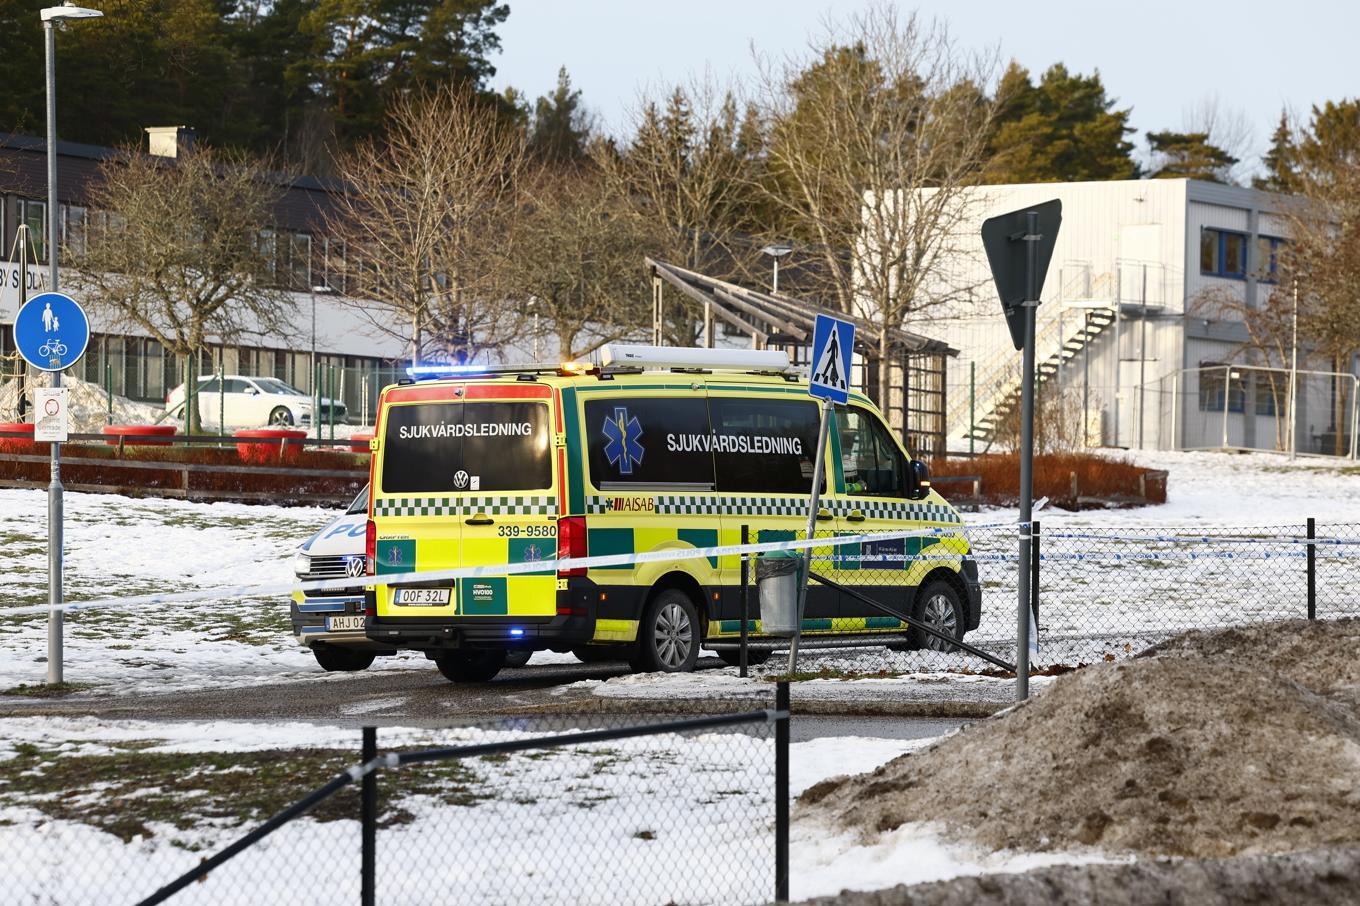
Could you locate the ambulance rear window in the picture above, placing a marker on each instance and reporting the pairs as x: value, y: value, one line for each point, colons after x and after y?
x: 472, y: 447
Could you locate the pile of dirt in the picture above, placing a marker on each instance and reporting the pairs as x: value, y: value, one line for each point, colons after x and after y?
x: 1217, y: 744
x: 1315, y: 878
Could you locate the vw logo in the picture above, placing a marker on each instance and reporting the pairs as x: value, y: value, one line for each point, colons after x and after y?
x: 460, y: 480
x: 354, y: 567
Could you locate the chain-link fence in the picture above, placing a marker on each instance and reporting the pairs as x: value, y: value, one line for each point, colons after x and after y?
x: 1100, y: 593
x: 546, y: 810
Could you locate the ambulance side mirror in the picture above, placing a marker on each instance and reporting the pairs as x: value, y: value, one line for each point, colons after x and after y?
x: 918, y: 480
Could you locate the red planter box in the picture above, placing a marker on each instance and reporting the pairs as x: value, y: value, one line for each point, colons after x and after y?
x: 266, y: 448
x: 145, y: 435
x: 18, y: 444
x: 359, y: 442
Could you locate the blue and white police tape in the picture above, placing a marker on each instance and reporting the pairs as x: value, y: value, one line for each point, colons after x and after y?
x: 502, y: 569
x: 1300, y: 540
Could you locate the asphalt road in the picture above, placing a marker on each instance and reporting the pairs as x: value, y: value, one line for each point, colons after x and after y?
x: 418, y: 695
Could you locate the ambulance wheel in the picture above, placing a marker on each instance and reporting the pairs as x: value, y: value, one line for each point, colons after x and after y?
x: 938, y: 606
x: 668, y: 637
x: 472, y: 666
x: 517, y: 658
x: 732, y: 657
x: 333, y: 658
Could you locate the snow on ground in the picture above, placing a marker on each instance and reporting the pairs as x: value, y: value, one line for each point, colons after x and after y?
x: 601, y: 823
x: 1090, y: 609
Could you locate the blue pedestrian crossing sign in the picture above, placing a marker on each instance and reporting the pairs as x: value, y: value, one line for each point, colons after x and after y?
x: 832, y: 342
x: 51, y: 331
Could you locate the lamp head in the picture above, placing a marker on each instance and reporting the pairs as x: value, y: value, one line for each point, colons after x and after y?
x: 69, y: 11
x: 777, y: 251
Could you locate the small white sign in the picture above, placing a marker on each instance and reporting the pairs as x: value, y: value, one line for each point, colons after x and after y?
x: 52, y: 414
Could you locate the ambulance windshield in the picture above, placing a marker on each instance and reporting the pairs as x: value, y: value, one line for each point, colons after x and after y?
x: 475, y: 447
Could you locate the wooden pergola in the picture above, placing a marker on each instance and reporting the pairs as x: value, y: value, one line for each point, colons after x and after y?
x: 916, y: 364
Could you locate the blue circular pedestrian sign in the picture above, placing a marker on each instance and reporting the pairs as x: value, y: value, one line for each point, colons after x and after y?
x: 51, y: 331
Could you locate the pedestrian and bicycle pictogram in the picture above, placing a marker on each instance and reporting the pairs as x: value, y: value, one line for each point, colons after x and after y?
x: 51, y: 331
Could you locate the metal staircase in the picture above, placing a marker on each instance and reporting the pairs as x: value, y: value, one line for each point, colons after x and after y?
x: 997, y: 393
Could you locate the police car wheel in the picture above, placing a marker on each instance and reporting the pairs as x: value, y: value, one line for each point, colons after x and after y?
x: 668, y: 637
x: 517, y: 658
x: 732, y: 657
x: 281, y: 416
x: 471, y: 666
x: 333, y: 658
x: 938, y: 606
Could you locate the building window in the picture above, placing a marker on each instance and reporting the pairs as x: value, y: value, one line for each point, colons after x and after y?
x: 1213, y: 377
x: 333, y: 264
x: 74, y: 229
x: 1223, y: 253
x: 1266, y: 265
x: 33, y: 214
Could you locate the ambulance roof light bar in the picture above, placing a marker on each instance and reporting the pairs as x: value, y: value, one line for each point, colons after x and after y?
x: 435, y: 370
x: 618, y: 355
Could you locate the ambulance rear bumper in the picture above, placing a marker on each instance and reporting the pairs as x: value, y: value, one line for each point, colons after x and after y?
x: 567, y: 629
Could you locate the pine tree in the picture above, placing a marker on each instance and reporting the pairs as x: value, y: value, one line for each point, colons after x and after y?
x: 1063, y: 129
x: 560, y: 128
x: 1279, y: 161
x: 1188, y: 155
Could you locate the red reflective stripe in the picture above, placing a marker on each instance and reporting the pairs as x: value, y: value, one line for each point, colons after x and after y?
x: 508, y: 392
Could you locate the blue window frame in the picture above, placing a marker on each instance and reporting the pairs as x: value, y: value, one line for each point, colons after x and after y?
x: 1267, y: 263
x: 1223, y: 253
x: 1214, y: 380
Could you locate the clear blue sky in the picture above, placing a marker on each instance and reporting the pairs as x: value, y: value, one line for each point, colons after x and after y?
x: 1158, y: 57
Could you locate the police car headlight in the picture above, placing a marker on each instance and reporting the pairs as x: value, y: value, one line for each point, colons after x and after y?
x: 302, y: 564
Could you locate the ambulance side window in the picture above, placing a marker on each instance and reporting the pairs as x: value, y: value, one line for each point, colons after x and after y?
x: 763, y: 445
x: 870, y: 461
x: 649, y: 442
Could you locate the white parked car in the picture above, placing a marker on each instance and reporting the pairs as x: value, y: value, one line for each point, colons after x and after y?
x: 248, y: 402
x: 330, y: 622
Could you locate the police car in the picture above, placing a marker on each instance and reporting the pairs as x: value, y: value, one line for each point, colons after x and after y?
x: 654, y: 449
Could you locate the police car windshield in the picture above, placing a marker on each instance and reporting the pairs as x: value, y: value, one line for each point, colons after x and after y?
x: 360, y: 504
x: 467, y: 447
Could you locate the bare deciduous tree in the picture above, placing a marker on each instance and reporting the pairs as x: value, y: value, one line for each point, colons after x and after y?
x: 178, y: 255
x: 871, y: 152
x: 578, y: 260
x: 421, y: 215
x: 1228, y: 128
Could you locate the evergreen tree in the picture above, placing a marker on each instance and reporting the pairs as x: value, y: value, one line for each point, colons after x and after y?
x: 1279, y: 161
x: 1331, y: 143
x: 560, y: 127
x: 1188, y: 155
x: 1066, y: 128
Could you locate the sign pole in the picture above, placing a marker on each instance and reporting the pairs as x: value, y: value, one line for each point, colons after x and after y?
x: 814, y: 504
x: 55, y: 540
x: 1022, y: 614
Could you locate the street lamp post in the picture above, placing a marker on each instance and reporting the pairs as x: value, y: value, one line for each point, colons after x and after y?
x: 322, y: 289
x: 50, y: 16
x: 776, y: 252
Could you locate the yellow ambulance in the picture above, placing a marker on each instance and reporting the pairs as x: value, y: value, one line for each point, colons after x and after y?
x: 653, y: 449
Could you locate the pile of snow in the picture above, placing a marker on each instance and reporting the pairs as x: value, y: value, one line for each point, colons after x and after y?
x: 89, y: 404
x: 1223, y: 745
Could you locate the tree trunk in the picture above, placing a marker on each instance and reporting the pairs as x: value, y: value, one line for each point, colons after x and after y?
x: 885, y: 380
x: 415, y: 340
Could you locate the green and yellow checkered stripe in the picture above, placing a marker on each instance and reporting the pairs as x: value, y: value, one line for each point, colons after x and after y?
x: 730, y: 505
x: 465, y: 506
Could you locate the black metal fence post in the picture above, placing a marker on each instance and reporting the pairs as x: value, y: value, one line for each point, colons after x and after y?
x: 781, y: 793
x: 745, y: 598
x: 368, y: 819
x: 1034, y: 572
x: 1312, y: 569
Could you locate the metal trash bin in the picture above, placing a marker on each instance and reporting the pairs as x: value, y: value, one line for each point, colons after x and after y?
x: 777, y: 576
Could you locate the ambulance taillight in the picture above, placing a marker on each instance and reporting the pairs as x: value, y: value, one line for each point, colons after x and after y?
x: 571, y: 542
x: 370, y: 548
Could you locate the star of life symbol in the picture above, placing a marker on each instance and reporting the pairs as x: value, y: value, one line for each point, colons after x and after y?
x: 394, y: 555
x: 533, y: 552
x: 354, y: 567
x: 623, y: 449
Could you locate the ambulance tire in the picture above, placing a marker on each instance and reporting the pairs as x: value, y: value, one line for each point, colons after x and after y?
x: 518, y: 657
x: 668, y: 636
x: 476, y: 665
x: 938, y: 605
x: 732, y: 657
x: 335, y: 658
